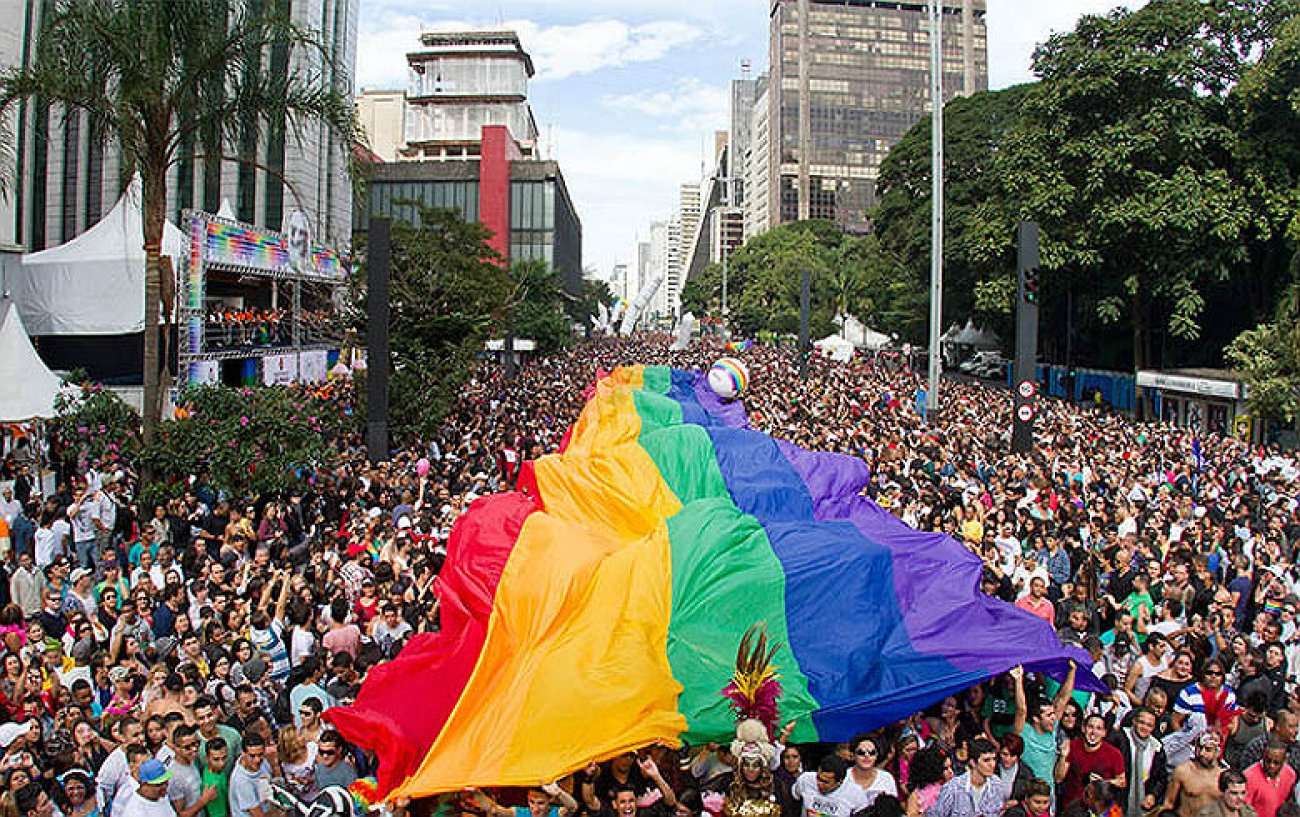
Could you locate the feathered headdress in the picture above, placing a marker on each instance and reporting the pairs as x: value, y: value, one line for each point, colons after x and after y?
x: 755, y: 688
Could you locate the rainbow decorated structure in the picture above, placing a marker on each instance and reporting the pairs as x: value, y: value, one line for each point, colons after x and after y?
x: 599, y: 609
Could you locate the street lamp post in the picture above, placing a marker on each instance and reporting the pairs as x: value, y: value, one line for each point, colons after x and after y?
x: 936, y: 203
x: 724, y: 210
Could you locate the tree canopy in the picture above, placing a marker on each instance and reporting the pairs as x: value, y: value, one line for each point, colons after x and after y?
x: 1154, y: 154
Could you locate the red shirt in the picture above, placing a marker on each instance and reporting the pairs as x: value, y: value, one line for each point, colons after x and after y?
x: 1105, y: 762
x: 1265, y: 795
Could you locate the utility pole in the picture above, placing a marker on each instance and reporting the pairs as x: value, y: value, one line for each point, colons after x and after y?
x: 379, y: 360
x: 805, y: 306
x: 936, y: 202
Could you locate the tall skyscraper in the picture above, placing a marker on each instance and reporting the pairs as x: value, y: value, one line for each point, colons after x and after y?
x: 64, y: 183
x: 847, y: 81
x: 688, y: 227
x: 657, y: 261
x: 753, y: 163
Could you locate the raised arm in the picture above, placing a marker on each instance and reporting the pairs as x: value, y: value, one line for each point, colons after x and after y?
x: 567, y: 804
x: 1018, y: 686
x: 1067, y: 689
x: 651, y: 770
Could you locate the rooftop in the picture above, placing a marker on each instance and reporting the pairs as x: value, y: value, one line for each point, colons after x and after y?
x: 471, y: 43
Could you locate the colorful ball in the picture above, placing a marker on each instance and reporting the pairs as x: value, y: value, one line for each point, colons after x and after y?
x: 728, y: 378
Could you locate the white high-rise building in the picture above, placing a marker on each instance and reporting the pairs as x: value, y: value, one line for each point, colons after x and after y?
x: 688, y: 225
x: 461, y: 81
x: 753, y: 164
x: 656, y: 263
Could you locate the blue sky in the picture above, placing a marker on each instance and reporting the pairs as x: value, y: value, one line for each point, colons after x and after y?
x: 630, y: 92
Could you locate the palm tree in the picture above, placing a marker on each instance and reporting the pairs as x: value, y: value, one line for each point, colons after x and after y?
x: 156, y: 77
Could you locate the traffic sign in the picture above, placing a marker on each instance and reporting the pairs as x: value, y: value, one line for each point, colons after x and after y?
x: 1025, y: 413
x: 1026, y: 389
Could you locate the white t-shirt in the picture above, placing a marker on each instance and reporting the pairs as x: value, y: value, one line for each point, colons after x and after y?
x: 47, y: 547
x: 139, y: 806
x: 816, y: 804
x: 882, y: 784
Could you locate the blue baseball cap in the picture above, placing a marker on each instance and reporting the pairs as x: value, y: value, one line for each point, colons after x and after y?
x: 153, y: 772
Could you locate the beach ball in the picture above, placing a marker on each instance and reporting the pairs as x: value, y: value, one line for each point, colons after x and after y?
x: 728, y: 378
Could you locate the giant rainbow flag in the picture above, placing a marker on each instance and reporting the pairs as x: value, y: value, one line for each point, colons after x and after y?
x: 599, y: 610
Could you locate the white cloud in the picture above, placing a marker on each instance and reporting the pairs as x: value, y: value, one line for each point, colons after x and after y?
x: 690, y: 106
x: 558, y: 51
x: 1016, y: 27
x: 568, y: 50
x: 620, y: 181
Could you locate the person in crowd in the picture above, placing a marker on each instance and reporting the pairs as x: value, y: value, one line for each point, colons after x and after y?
x: 979, y: 791
x: 1270, y: 782
x: 1036, y: 727
x: 1232, y: 799
x: 1089, y: 757
x: 1194, y: 785
x: 820, y: 792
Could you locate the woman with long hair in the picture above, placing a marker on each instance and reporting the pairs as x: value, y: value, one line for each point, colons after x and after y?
x: 752, y: 792
x: 929, y: 770
x: 298, y: 761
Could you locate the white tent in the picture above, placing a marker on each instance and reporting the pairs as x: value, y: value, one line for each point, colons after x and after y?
x: 835, y: 347
x: 32, y: 386
x: 94, y: 284
x: 861, y: 335
x: 978, y: 338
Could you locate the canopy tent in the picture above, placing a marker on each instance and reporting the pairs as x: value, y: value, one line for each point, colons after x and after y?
x: 861, y: 335
x: 835, y: 347
x: 978, y: 338
x: 93, y: 284
x: 33, y: 386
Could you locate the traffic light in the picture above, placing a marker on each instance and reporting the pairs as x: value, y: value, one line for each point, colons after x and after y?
x: 1031, y: 285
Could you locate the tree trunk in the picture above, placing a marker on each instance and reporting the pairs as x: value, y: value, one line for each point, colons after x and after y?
x: 1137, y: 316
x: 154, y: 185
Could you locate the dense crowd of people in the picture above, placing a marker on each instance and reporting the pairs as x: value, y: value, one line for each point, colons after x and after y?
x: 177, y: 660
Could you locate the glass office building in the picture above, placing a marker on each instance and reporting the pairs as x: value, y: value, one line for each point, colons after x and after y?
x: 854, y: 76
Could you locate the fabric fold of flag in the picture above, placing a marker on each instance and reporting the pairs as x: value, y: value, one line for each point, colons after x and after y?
x: 602, y: 611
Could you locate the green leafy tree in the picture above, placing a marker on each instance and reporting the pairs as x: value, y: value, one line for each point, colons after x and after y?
x: 1124, y: 154
x: 586, y: 308
x: 448, y: 292
x: 763, y: 280
x: 979, y: 257
x: 93, y: 425
x: 536, y: 308
x: 1269, y: 357
x: 155, y: 78
x: 248, y: 442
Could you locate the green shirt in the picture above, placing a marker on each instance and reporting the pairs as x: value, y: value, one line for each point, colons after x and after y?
x: 220, y: 807
x: 234, y: 743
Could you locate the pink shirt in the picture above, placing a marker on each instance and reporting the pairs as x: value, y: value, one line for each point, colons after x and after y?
x: 343, y: 639
x: 1043, y: 609
x: 1266, y: 795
